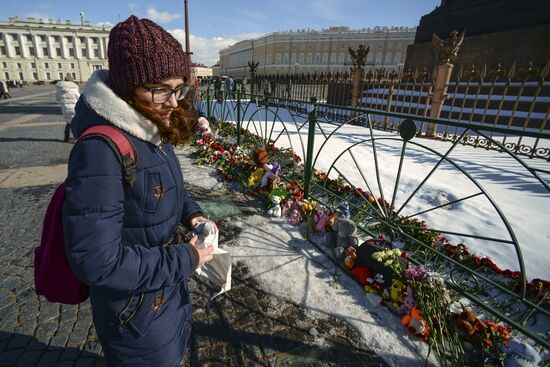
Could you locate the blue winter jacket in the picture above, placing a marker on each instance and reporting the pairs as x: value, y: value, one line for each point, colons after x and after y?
x: 116, y: 235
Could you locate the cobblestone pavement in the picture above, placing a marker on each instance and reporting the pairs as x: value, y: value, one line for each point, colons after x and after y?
x: 244, y: 327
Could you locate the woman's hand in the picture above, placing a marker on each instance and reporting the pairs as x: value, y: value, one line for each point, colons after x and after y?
x: 204, y: 254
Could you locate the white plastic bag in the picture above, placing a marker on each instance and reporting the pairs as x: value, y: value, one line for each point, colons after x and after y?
x: 218, y: 271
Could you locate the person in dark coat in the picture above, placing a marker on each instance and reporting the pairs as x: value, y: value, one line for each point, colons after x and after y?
x: 119, y: 238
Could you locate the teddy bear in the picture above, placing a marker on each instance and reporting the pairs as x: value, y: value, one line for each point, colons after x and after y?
x: 345, y: 229
x: 204, y: 126
x: 275, y: 210
x: 468, y: 322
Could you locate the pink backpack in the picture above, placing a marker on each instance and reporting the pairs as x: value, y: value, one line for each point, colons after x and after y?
x: 53, y: 276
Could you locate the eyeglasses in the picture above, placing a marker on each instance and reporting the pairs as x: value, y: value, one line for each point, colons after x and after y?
x: 160, y: 95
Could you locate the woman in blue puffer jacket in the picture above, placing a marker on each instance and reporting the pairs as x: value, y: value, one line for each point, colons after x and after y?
x: 118, y: 236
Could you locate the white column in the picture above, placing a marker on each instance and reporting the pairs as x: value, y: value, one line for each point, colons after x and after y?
x: 7, y: 43
x: 37, y: 47
x: 89, y: 47
x: 51, y: 49
x: 22, y: 46
x: 76, y: 47
x: 101, y: 48
x: 64, y: 48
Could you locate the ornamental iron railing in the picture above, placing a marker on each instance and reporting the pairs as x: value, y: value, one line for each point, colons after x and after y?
x: 377, y: 162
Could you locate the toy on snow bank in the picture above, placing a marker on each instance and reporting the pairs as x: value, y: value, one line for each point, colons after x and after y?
x: 416, y: 324
x: 345, y: 229
x: 204, y: 126
x: 275, y: 210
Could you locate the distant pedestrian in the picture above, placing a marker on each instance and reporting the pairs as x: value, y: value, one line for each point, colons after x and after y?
x: 4, y: 90
x: 121, y: 235
x: 229, y: 85
x: 218, y: 89
x: 67, y: 94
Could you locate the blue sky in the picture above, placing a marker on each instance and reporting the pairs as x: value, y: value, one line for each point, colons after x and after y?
x: 218, y: 24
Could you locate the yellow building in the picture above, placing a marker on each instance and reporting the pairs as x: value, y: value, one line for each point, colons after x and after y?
x: 306, y: 51
x: 43, y: 50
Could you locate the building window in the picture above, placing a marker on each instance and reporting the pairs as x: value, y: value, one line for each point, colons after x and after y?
x: 60, y: 76
x: 42, y: 38
x: 20, y: 76
x: 74, y: 76
x: 96, y: 53
x: 390, y: 45
x: 71, y: 52
x: 7, y: 75
x: 48, y: 77
x: 5, y: 65
x: 17, y: 51
x: 45, y: 51
x: 46, y: 65
x: 59, y: 66
x: 56, y: 38
x: 19, y: 65
x: 380, y: 45
x: 387, y: 59
x: 72, y: 65
x: 35, y: 76
x: 2, y: 50
x: 58, y: 51
x: 33, y: 65
x: 84, y: 53
x: 378, y: 58
x: 31, y: 51
x: 400, y: 44
x: 397, y: 57
x: 97, y: 67
x: 82, y: 40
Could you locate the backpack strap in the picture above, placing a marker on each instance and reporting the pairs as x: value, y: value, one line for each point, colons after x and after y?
x: 121, y: 145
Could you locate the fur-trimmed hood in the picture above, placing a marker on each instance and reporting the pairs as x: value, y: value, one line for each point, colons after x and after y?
x: 107, y: 104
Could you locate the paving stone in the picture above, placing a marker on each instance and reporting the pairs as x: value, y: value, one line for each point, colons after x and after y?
x: 28, y: 359
x: 9, y: 358
x: 49, y: 359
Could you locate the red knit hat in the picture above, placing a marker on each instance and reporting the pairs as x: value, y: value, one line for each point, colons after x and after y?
x: 141, y: 52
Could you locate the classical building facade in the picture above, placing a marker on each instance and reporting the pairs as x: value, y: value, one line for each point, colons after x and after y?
x: 496, y: 31
x: 310, y: 51
x: 200, y: 71
x: 43, y: 50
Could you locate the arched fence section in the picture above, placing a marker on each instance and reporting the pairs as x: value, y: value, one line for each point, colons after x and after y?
x: 437, y: 194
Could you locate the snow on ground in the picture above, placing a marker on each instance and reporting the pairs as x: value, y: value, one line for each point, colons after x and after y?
x: 288, y: 266
x: 507, y: 189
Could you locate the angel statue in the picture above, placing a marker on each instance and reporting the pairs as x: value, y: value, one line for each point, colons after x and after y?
x: 358, y: 57
x: 448, y: 49
x: 253, y: 66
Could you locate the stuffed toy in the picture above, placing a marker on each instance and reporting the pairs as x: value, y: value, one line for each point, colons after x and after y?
x: 346, y: 232
x: 275, y: 210
x: 320, y: 219
x: 361, y: 274
x: 469, y: 323
x: 520, y: 355
x: 204, y: 126
x: 349, y: 260
x: 416, y: 324
x: 260, y: 157
x: 396, y: 292
x: 345, y: 229
x: 295, y: 217
x: 408, y: 302
x: 343, y: 210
